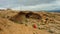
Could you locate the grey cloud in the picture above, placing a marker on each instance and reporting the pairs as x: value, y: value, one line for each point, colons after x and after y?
x: 13, y: 3
x: 29, y: 4
x: 34, y: 2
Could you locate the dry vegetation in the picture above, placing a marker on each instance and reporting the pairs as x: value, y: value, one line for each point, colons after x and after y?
x: 28, y: 22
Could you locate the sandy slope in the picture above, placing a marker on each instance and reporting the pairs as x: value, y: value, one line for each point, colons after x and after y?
x: 9, y: 27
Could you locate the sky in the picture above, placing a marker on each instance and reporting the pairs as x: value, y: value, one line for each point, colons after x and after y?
x: 35, y: 5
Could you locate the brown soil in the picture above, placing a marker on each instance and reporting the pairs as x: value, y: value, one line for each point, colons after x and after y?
x: 18, y: 23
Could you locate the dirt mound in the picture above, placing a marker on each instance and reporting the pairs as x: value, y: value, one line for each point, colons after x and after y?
x: 26, y: 15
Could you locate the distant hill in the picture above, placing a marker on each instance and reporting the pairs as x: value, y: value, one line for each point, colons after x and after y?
x: 54, y: 11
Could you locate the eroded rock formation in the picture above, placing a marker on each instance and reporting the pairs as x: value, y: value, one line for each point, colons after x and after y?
x: 23, y: 15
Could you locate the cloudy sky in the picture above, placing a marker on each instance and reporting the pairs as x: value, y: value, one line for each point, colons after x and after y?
x: 31, y: 4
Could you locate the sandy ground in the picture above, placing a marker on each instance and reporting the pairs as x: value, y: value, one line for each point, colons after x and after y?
x: 10, y: 27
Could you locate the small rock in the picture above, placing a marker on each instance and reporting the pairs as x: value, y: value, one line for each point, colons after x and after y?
x: 0, y: 29
x: 34, y: 26
x: 26, y: 25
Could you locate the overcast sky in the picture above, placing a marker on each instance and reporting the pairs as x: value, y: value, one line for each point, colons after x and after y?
x: 31, y: 4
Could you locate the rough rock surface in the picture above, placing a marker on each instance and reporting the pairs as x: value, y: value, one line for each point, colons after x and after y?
x: 29, y: 23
